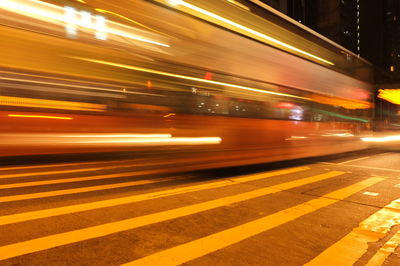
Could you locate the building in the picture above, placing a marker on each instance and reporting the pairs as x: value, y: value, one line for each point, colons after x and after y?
x: 392, y: 38
x: 337, y: 20
x: 368, y: 28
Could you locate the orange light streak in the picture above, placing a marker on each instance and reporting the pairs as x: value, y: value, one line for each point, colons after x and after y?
x: 168, y: 115
x: 390, y: 95
x: 41, y: 116
x: 159, y: 141
x: 50, y: 104
x: 184, y: 77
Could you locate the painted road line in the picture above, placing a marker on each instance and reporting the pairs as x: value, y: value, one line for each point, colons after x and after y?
x: 369, y: 193
x: 75, y: 170
x: 384, y: 252
x: 350, y: 248
x: 354, y: 160
x: 203, y: 246
x: 88, y: 178
x: 64, y: 192
x: 371, y: 167
x: 61, y: 165
x: 47, y: 242
x: 27, y: 216
x: 77, y: 179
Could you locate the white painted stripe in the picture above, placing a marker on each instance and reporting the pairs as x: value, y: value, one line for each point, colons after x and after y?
x: 354, y: 160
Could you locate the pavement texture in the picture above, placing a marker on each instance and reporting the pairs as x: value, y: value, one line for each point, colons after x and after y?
x: 336, y: 210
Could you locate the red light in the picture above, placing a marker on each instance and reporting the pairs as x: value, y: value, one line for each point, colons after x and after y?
x: 208, y: 76
x: 149, y: 84
x: 285, y: 105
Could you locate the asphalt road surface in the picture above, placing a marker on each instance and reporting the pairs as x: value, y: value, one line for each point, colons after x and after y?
x: 339, y: 210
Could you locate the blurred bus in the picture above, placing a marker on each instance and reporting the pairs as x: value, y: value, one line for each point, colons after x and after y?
x: 235, y: 80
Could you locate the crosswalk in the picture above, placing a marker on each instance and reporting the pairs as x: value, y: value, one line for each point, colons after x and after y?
x: 48, y: 212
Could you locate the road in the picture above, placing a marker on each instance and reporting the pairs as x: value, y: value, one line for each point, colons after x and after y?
x: 338, y: 210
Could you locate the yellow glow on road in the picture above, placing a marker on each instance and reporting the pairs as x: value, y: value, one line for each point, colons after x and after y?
x: 41, y: 116
x: 352, y: 247
x: 147, y: 70
x: 249, y: 30
x: 384, y: 252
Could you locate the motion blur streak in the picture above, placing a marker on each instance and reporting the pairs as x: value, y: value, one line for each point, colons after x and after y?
x: 76, y: 86
x: 45, y: 11
x: 238, y: 4
x: 162, y: 141
x: 41, y: 116
x: 390, y: 95
x: 105, y: 139
x: 147, y: 70
x: 382, y: 139
x: 251, y: 31
x: 128, y: 19
x: 52, y: 104
x: 118, y: 135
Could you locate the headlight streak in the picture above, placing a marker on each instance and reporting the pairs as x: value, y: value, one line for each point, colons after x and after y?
x: 382, y: 139
x: 152, y: 71
x: 161, y: 141
x: 102, y: 139
x: 102, y: 135
x: 249, y: 30
x: 41, y: 116
x: 41, y: 10
x: 342, y: 135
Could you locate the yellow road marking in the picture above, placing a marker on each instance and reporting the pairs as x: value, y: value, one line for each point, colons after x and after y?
x: 354, y: 160
x: 27, y: 216
x: 71, y: 170
x: 203, y: 246
x: 80, y: 190
x: 47, y: 242
x: 60, y: 165
x: 75, y: 179
x: 350, y: 248
x: 383, y: 253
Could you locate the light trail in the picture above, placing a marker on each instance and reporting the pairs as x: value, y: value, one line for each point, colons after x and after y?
x: 53, y: 13
x: 168, y: 74
x: 238, y: 26
x: 41, y: 116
